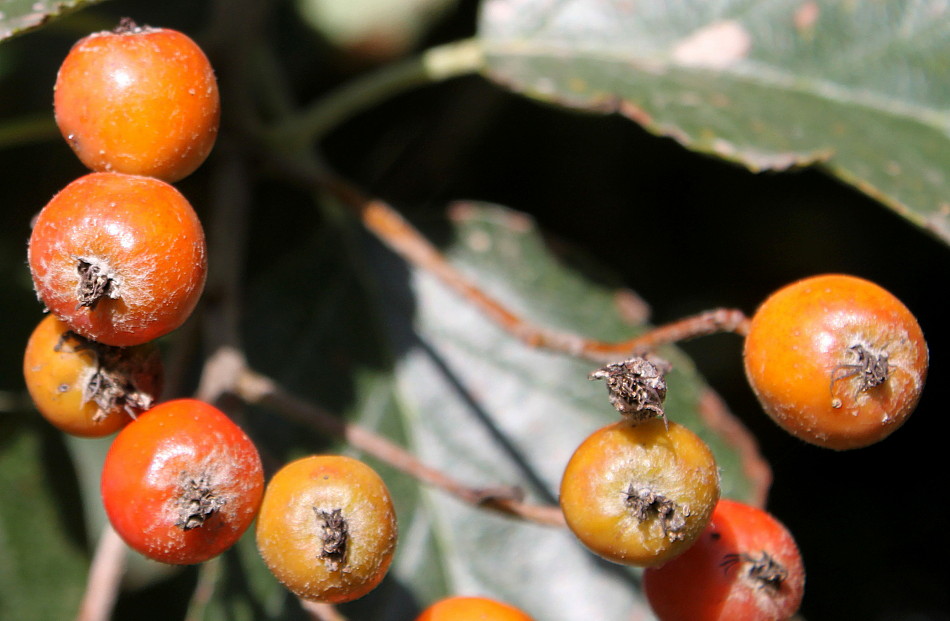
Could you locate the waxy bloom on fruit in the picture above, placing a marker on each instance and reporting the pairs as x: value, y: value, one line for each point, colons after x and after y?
x: 120, y: 258
x: 182, y: 482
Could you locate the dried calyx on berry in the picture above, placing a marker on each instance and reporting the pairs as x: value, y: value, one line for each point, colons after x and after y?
x: 636, y: 387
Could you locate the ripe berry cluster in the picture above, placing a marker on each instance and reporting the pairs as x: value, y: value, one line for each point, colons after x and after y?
x: 835, y: 360
x: 118, y: 258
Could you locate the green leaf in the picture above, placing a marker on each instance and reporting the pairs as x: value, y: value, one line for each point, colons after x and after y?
x: 432, y: 373
x: 42, y: 553
x: 861, y: 88
x: 19, y: 16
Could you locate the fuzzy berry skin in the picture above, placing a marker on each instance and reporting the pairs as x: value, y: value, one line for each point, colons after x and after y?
x: 120, y: 258
x: 85, y: 388
x: 182, y: 482
x: 136, y: 100
x: 639, y: 493
x: 744, y: 567
x: 836, y: 360
x: 327, y: 528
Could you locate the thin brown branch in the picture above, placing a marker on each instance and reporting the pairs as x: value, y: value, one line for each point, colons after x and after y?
x: 208, y: 575
x: 105, y: 576
x: 255, y: 388
x: 390, y: 227
x: 705, y: 323
x: 380, y: 218
x: 397, y: 233
x: 321, y: 612
x: 721, y: 420
x: 400, y: 236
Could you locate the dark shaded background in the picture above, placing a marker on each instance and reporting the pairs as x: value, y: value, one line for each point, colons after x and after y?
x: 686, y: 232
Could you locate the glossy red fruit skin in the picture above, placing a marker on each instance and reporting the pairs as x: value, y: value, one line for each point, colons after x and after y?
x: 713, y: 580
x: 143, y: 233
x: 142, y: 101
x: 178, y: 459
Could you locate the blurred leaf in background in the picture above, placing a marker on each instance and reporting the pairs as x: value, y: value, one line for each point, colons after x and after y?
x: 379, y: 29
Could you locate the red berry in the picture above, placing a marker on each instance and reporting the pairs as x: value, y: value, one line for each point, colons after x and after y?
x: 142, y: 101
x: 120, y: 258
x: 182, y: 483
x: 744, y: 567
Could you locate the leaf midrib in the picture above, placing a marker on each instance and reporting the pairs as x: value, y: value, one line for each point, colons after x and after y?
x: 763, y: 76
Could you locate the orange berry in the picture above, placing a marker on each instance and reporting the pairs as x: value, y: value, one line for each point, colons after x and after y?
x: 120, y: 258
x: 142, y: 101
x: 462, y: 608
x: 327, y: 528
x: 836, y: 360
x: 85, y: 388
x: 640, y: 493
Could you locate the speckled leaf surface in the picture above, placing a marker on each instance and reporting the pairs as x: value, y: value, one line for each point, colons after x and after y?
x: 17, y: 16
x: 860, y: 88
